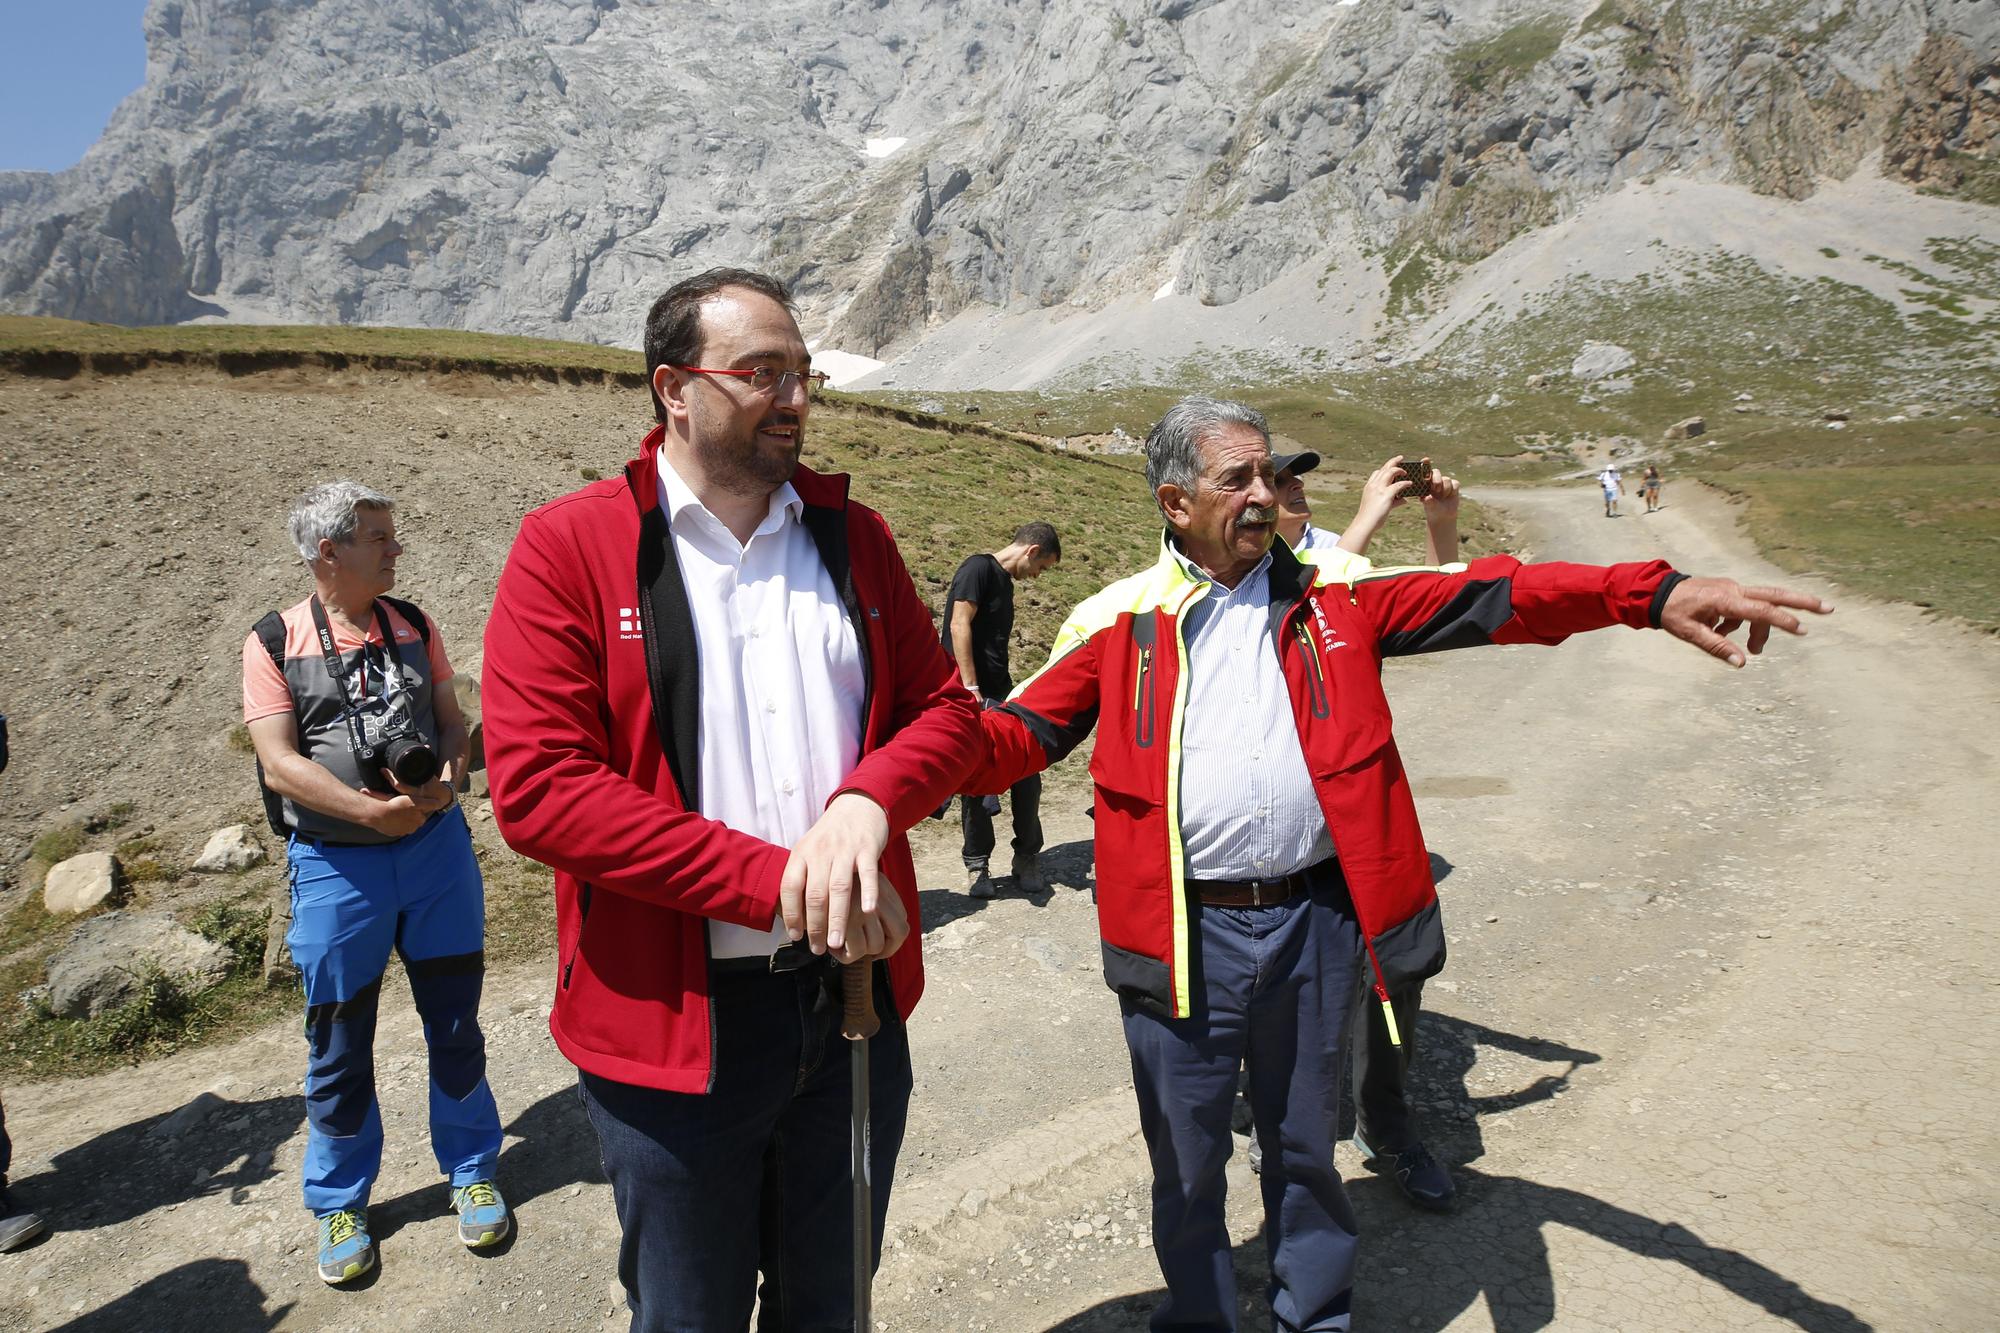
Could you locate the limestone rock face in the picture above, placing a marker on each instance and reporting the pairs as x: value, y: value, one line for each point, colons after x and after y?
x: 106, y: 959
x: 546, y: 166
x: 81, y: 883
x: 1596, y: 360
x: 230, y: 849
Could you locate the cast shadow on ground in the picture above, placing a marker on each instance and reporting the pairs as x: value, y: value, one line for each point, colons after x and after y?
x: 130, y: 1171
x: 556, y: 1148
x: 1066, y: 868
x: 1495, y: 1247
x: 211, y: 1295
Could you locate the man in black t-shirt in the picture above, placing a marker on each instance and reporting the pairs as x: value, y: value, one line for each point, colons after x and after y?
x: 978, y: 618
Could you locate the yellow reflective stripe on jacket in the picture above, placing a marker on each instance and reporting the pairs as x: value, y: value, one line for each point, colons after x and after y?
x: 1176, y: 850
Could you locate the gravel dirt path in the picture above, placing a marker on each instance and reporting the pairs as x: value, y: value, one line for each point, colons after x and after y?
x: 1715, y: 1047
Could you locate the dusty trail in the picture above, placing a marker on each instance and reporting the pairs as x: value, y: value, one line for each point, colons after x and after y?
x: 1714, y: 1048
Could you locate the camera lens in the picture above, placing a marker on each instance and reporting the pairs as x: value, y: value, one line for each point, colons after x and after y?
x: 413, y: 762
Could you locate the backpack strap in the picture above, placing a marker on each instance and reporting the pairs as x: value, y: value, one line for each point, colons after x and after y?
x: 410, y: 612
x: 270, y: 632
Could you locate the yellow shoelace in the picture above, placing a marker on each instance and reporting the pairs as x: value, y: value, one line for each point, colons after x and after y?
x: 479, y: 1194
x: 340, y: 1227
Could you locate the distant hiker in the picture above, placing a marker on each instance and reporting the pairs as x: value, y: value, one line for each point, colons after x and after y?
x: 360, y: 743
x: 1383, y: 492
x: 978, y: 619
x: 1613, y: 486
x: 1256, y: 839
x: 715, y: 704
x: 1385, y: 1125
x: 1650, y: 484
x: 18, y: 1225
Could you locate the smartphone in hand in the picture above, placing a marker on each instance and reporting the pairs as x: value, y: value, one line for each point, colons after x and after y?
x: 1419, y: 474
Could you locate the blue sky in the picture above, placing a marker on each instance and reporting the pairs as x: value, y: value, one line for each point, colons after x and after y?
x: 65, y: 65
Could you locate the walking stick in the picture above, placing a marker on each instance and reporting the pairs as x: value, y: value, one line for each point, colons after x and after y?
x: 858, y: 1024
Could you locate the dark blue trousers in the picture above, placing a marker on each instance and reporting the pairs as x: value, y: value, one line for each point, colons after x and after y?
x: 1277, y: 986
x: 752, y: 1177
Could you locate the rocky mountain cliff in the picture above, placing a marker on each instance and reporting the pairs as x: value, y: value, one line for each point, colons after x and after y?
x: 546, y: 166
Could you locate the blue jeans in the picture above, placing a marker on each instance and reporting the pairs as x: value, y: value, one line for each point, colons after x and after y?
x: 422, y: 897
x: 752, y: 1176
x: 1277, y: 987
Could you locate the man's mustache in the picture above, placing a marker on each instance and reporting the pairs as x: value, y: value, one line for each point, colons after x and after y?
x: 1257, y: 514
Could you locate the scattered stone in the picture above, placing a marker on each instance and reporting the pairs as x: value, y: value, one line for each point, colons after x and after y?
x: 1493, y: 399
x: 974, y: 1203
x: 1587, y: 400
x: 1596, y: 360
x: 477, y: 784
x: 230, y: 850
x: 187, y: 1118
x: 1617, y: 384
x: 1385, y: 357
x: 1746, y: 397
x: 1834, y: 414
x: 1538, y: 381
x: 1687, y: 429
x: 1046, y: 952
x: 106, y: 959
x: 82, y: 882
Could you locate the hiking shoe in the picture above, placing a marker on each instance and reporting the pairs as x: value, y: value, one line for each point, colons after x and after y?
x: 18, y: 1226
x: 1419, y: 1175
x: 482, y: 1214
x: 1028, y: 874
x: 346, y: 1250
x: 978, y: 883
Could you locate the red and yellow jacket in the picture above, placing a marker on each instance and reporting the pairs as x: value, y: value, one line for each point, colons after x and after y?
x: 590, y: 706
x: 1119, y: 665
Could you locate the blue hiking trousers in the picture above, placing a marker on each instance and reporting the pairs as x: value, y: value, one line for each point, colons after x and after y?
x: 421, y: 896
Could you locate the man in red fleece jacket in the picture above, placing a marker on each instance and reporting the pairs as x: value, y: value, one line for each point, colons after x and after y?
x: 714, y: 704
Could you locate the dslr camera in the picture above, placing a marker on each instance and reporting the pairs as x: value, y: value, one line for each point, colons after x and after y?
x: 401, y: 751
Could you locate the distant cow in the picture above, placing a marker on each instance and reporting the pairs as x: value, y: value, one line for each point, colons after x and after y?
x: 1318, y: 415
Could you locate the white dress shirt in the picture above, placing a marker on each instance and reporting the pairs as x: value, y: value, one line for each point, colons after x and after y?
x: 1318, y: 539
x: 780, y: 679
x: 1248, y: 810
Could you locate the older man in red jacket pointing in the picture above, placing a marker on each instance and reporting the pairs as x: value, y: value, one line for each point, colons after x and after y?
x: 714, y: 703
x: 1257, y: 845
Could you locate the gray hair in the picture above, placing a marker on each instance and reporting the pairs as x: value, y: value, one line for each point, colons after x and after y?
x: 327, y: 510
x: 1173, y: 448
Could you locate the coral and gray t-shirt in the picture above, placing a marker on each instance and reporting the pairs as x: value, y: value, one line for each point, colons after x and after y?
x: 384, y: 699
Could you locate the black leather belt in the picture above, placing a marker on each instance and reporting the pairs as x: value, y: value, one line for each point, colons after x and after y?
x: 792, y: 957
x: 1256, y: 892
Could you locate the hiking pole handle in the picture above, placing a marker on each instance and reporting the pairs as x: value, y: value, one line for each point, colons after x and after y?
x: 859, y: 1023
x: 858, y: 1020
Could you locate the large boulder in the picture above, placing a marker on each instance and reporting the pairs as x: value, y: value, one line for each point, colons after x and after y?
x: 1596, y: 360
x: 81, y: 883
x: 1687, y: 429
x: 107, y: 958
x: 230, y: 850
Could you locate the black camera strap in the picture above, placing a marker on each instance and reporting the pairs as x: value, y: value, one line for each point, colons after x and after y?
x: 357, y: 739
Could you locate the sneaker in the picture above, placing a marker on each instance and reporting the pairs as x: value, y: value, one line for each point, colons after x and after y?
x: 346, y: 1250
x: 1419, y: 1175
x: 1028, y: 874
x: 977, y: 882
x: 482, y: 1214
x: 18, y: 1226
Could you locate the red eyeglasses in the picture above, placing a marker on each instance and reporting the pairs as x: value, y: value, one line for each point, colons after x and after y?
x: 766, y: 380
